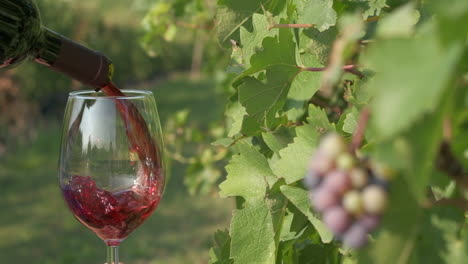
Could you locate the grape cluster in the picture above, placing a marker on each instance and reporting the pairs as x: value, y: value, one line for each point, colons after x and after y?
x: 350, y: 193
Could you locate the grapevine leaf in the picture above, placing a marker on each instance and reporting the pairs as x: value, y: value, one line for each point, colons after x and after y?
x: 248, y: 174
x: 399, y: 23
x: 304, y: 86
x: 278, y: 139
x: 439, y: 241
x: 236, y: 64
x: 251, y: 41
x: 263, y: 100
x: 292, y: 165
x: 316, y: 46
x: 231, y: 15
x: 318, y: 119
x: 413, y: 153
x: 299, y: 197
x: 375, y: 7
x: 410, y: 64
x: 253, y: 235
x: 225, y: 142
x: 263, y: 97
x: 351, y: 120
x: 319, y: 13
x: 235, y: 113
x: 220, y: 253
x: 277, y: 203
x: 234, y: 14
x: 277, y: 50
x: 451, y: 14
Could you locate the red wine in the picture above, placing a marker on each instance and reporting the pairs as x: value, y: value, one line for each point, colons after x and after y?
x: 139, y: 136
x: 111, y: 215
x: 114, y: 215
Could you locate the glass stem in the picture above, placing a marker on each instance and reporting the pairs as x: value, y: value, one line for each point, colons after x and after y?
x: 113, y: 255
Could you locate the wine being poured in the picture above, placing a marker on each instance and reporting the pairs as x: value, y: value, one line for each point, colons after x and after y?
x: 111, y: 162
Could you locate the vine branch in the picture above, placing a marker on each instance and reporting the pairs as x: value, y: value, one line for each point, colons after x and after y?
x: 351, y: 68
x: 358, y: 135
x: 270, y: 27
x: 290, y: 26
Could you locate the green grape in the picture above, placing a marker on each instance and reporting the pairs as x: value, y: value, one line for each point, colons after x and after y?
x: 345, y: 161
x: 359, y: 177
x: 352, y: 202
x: 332, y: 145
x: 374, y: 199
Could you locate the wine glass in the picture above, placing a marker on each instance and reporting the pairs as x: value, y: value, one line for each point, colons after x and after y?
x: 111, y: 166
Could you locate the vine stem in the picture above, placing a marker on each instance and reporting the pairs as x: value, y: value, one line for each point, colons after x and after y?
x: 459, y: 203
x: 351, y: 68
x: 290, y: 26
x: 370, y: 19
x: 358, y: 135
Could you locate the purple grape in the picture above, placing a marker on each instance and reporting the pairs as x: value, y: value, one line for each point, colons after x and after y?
x: 312, y: 180
x: 323, y: 199
x: 337, y: 219
x: 356, y: 236
x: 370, y: 222
x: 321, y: 163
x: 337, y: 181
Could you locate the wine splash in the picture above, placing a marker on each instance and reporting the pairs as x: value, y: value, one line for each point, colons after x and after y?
x: 111, y: 215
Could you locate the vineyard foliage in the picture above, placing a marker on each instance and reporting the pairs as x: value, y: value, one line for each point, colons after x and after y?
x: 302, y: 68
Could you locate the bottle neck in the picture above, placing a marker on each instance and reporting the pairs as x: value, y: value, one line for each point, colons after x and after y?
x: 70, y: 58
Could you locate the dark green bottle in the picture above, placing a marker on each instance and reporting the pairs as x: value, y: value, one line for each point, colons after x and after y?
x: 22, y: 36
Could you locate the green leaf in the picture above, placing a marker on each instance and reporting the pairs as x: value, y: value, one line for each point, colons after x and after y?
x: 350, y: 123
x: 318, y: 119
x: 278, y: 139
x: 399, y: 23
x: 304, y: 86
x: 292, y: 165
x: 220, y: 253
x: 320, y: 13
x: 420, y: 64
x: 251, y: 40
x: 225, y: 142
x: 299, y: 197
x: 262, y: 98
x: 235, y: 115
x: 375, y: 7
x: 316, y: 46
x: 439, y: 241
x: 450, y: 15
x: 234, y: 14
x: 279, y: 50
x: 248, y: 174
x: 253, y: 235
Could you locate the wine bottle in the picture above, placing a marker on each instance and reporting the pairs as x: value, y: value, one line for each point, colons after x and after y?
x: 22, y: 36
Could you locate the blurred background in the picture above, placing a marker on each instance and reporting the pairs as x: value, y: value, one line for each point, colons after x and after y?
x: 164, y: 46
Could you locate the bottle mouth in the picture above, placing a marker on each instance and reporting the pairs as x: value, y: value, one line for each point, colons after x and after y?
x: 93, y: 95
